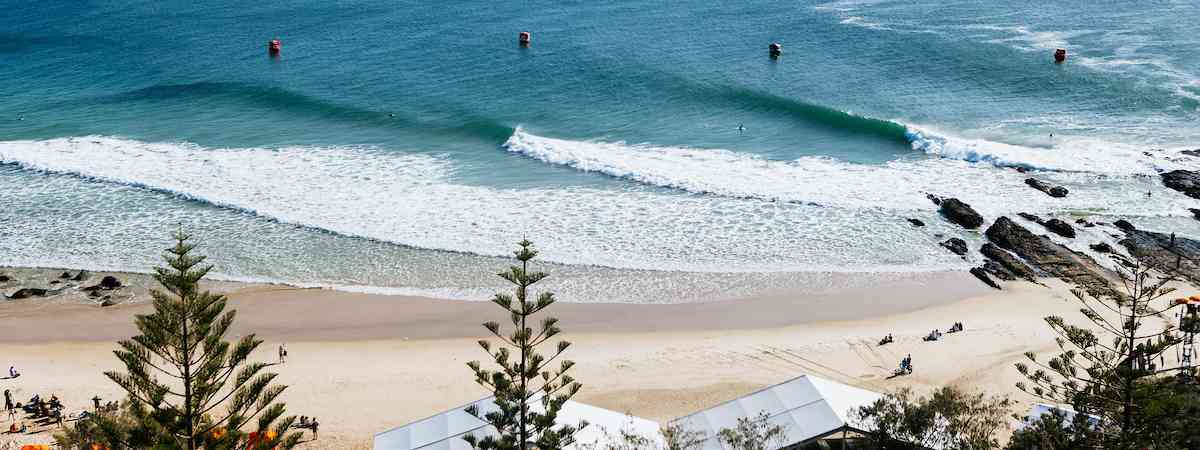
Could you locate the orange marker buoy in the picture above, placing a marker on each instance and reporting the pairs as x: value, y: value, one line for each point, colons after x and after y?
x: 274, y: 46
x: 524, y: 38
x: 775, y: 49
x: 1060, y: 55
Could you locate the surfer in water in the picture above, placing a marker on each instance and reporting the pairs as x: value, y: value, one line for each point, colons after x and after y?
x: 741, y: 128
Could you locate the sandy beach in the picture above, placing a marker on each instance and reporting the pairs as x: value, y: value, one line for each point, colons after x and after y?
x: 365, y: 363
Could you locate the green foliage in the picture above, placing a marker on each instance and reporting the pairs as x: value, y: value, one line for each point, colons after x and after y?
x: 1108, y: 368
x: 1052, y: 431
x: 950, y: 420
x: 188, y: 387
x: 524, y: 376
x: 673, y: 437
x: 753, y: 433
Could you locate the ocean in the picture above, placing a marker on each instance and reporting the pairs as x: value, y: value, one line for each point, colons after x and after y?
x: 653, y: 152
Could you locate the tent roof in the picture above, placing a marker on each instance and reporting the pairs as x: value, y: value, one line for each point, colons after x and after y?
x: 445, y: 430
x: 806, y: 407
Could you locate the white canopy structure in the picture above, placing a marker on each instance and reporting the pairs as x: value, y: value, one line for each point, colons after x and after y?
x: 807, y: 407
x: 446, y: 430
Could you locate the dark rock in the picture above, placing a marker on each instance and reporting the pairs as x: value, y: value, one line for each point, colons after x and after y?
x: 1031, y: 218
x: 1060, y: 228
x: 982, y: 275
x: 1165, y: 252
x: 916, y: 223
x: 935, y: 199
x: 65, y: 276
x: 94, y: 293
x: 1054, y: 259
x: 1009, y: 262
x: 956, y: 245
x: 82, y: 275
x: 1195, y: 152
x: 998, y: 270
x: 107, y: 302
x: 27, y: 293
x: 1101, y: 247
x: 960, y: 213
x: 110, y: 282
x: 55, y: 282
x: 1195, y: 213
x: 1053, y: 191
x: 1124, y: 225
x: 1184, y: 181
x: 4, y: 278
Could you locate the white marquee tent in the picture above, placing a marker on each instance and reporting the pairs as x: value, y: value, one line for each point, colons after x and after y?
x: 807, y: 407
x: 445, y: 430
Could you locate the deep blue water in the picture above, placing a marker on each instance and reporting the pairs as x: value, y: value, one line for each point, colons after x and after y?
x: 613, y: 140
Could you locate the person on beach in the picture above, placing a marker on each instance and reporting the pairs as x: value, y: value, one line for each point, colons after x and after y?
x: 8, y: 403
x: 314, y: 427
x: 282, y: 354
x: 12, y: 372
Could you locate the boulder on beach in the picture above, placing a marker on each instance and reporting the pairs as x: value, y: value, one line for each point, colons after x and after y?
x: 958, y: 212
x: 1010, y: 263
x: 1101, y: 247
x: 1124, y: 225
x: 916, y: 222
x: 28, y: 293
x: 110, y: 282
x: 956, y: 246
x: 1165, y: 251
x: 1053, y: 191
x: 82, y: 275
x: 4, y: 278
x: 998, y: 271
x: 982, y: 275
x: 1185, y: 181
x: 65, y: 276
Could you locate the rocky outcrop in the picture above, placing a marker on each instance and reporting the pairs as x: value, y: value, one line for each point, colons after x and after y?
x: 982, y: 275
x: 5, y: 278
x: 1051, y: 258
x: 81, y: 276
x: 1101, y: 247
x: 1053, y: 191
x: 1195, y: 152
x: 1195, y: 213
x: 958, y: 212
x: 1057, y: 226
x: 1009, y: 262
x: 1060, y: 228
x: 998, y: 271
x: 1124, y: 225
x: 1184, y: 181
x: 65, y: 276
x: 916, y: 222
x: 956, y: 246
x: 1165, y: 252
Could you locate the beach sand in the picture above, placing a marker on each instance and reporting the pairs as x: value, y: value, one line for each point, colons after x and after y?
x: 365, y: 363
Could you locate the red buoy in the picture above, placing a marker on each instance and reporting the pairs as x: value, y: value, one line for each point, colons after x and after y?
x: 274, y: 46
x: 524, y: 38
x: 1060, y: 55
x: 775, y: 49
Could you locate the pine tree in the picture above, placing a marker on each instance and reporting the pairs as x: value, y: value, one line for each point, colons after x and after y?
x: 188, y: 387
x: 1107, y: 377
x: 524, y: 376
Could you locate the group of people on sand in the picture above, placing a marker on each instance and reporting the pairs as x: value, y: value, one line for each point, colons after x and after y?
x: 937, y: 334
x: 906, y: 362
x: 310, y: 423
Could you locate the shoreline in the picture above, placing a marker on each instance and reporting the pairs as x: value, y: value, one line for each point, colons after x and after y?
x: 365, y: 363
x: 379, y: 316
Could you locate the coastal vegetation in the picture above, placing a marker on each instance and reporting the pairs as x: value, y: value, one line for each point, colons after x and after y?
x: 187, y: 386
x: 524, y: 376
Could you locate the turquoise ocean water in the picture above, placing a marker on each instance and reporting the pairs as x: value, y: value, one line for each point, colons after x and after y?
x: 403, y: 146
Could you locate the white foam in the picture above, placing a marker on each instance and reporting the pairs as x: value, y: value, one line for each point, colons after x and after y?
x: 413, y: 200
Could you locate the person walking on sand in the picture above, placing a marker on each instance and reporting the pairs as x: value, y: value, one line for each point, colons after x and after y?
x: 282, y: 354
x: 314, y: 427
x: 12, y: 372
